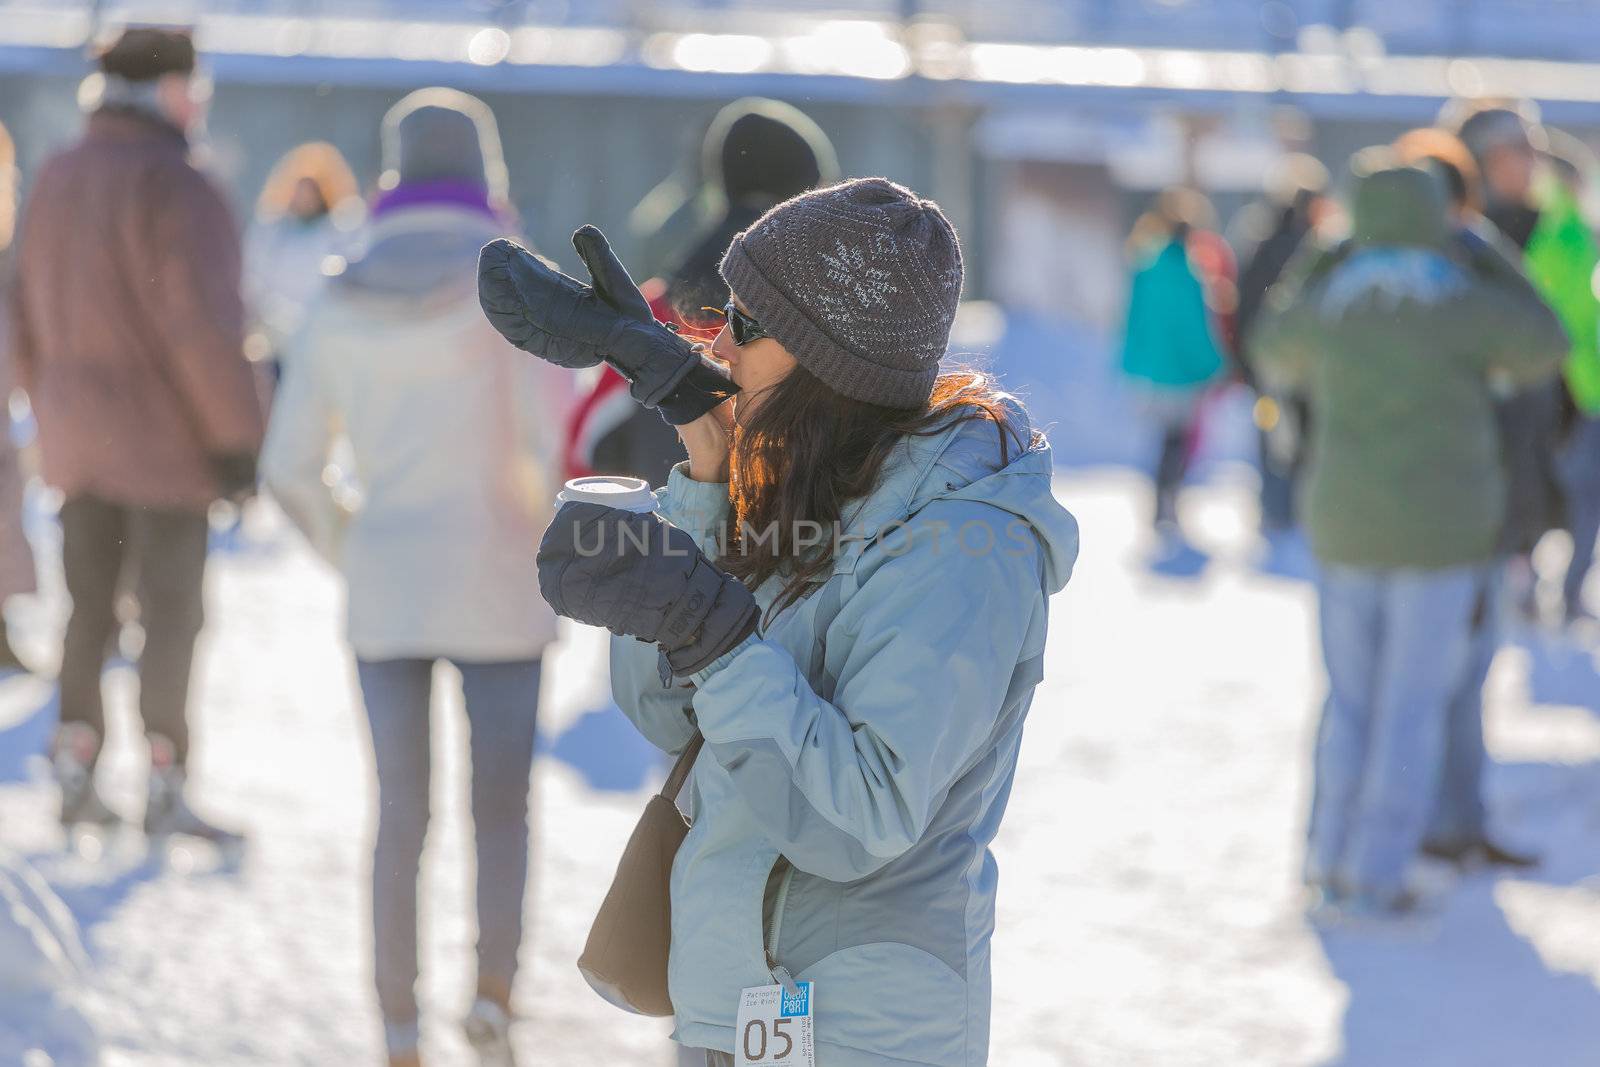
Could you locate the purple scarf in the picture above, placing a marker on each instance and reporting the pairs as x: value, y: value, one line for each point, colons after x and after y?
x: 447, y: 191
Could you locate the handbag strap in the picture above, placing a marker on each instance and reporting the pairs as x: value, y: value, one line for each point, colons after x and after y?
x: 680, y: 770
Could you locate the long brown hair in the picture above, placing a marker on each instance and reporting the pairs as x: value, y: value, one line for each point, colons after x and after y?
x: 807, y: 451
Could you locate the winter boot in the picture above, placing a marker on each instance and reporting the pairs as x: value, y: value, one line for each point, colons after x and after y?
x: 166, y: 811
x: 488, y: 1031
x: 73, y: 755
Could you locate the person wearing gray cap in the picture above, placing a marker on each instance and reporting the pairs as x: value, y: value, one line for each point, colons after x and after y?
x: 454, y: 436
x: 843, y: 598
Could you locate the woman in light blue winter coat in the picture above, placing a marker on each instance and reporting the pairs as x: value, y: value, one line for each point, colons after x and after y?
x: 848, y: 599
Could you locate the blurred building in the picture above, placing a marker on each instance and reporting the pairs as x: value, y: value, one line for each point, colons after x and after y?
x: 1041, y: 125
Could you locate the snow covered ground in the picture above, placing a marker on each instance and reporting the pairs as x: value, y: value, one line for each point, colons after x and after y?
x: 1149, y: 911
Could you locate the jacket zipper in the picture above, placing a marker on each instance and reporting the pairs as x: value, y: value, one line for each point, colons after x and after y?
x: 780, y: 974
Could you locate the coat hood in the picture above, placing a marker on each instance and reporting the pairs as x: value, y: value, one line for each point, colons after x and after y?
x: 766, y: 150
x: 963, y: 462
x: 756, y: 153
x: 418, y: 257
x: 1400, y: 206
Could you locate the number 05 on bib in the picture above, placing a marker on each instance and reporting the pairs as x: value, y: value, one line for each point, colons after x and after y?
x: 775, y: 1027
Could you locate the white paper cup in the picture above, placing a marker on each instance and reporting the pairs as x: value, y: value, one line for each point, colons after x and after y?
x: 629, y: 494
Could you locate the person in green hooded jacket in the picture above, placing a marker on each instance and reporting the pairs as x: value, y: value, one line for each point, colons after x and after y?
x: 1401, y: 337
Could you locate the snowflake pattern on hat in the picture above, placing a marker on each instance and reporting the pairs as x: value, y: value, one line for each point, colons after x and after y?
x: 849, y: 270
x: 859, y: 281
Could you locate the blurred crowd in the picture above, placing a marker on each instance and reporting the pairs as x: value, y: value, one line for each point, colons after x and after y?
x: 334, y: 354
x: 1420, y: 335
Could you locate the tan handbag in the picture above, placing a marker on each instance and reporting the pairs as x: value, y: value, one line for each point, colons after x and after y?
x: 625, y: 958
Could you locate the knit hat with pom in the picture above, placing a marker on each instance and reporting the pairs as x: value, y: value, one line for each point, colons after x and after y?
x: 859, y: 281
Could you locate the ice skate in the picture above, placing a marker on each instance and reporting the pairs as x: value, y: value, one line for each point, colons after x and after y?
x: 488, y: 1031
x: 167, y: 812
x: 73, y: 757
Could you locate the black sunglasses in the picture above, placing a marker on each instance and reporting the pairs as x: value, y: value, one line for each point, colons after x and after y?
x: 745, y: 329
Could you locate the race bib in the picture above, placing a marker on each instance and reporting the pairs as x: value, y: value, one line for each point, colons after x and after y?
x: 775, y: 1027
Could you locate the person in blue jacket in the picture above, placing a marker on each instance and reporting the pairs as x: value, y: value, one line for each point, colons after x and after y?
x: 844, y: 590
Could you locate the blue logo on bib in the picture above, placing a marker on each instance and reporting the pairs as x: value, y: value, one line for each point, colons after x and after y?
x: 796, y: 1004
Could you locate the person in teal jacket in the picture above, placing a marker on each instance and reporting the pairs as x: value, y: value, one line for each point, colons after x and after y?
x: 1169, y: 348
x: 850, y: 605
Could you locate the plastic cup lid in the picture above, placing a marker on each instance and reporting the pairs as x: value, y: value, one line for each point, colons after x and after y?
x: 629, y: 494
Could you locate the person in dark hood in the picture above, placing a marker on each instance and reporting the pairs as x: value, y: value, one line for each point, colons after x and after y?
x: 756, y: 154
x: 760, y: 152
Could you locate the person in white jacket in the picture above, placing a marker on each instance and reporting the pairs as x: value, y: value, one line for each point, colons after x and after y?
x: 454, y: 438
x: 309, y: 210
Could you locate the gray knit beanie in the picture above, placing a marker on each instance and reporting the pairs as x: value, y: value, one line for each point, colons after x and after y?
x: 442, y: 134
x: 859, y: 281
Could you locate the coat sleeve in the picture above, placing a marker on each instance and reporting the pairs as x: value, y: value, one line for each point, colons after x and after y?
x: 1283, y: 342
x: 842, y: 787
x: 1562, y: 258
x: 195, y: 308
x: 1524, y: 341
x: 661, y: 710
x: 17, y: 336
x: 305, y: 421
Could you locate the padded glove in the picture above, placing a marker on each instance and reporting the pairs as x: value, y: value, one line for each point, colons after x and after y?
x: 559, y: 319
x: 642, y: 576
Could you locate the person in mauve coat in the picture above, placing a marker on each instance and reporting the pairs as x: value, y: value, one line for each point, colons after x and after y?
x: 127, y: 334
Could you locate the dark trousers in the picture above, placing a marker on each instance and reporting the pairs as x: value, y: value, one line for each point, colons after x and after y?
x: 1579, y: 465
x: 1172, y: 464
x: 160, y: 555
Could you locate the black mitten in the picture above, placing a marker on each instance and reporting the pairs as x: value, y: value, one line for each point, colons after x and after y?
x: 558, y: 318
x: 541, y: 310
x: 681, y: 388
x: 639, y: 575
